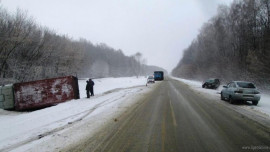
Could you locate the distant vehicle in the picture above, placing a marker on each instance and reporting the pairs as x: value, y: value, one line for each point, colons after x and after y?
x: 151, y: 79
x: 158, y: 75
x: 211, y: 83
x: 240, y: 91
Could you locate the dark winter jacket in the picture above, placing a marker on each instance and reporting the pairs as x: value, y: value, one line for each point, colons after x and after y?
x: 91, y: 83
x: 88, y: 86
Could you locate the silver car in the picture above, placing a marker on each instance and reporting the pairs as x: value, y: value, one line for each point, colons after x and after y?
x: 151, y: 79
x: 240, y: 91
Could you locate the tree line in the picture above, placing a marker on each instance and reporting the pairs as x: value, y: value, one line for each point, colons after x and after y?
x: 233, y: 45
x: 29, y: 51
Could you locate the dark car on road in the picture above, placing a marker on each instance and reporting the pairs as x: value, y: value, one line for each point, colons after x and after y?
x: 211, y: 83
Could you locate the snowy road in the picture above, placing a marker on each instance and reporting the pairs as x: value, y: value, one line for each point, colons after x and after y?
x: 174, y: 118
x: 125, y: 115
x: 56, y: 127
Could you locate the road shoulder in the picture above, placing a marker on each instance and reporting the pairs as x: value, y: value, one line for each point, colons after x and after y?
x: 249, y: 113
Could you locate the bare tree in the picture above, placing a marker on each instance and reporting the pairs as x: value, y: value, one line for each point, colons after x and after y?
x: 30, y: 52
x: 234, y: 44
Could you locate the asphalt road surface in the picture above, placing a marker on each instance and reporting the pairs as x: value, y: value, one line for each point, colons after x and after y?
x: 174, y: 118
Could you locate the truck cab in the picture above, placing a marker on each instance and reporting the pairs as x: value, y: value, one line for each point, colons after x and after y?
x: 159, y: 75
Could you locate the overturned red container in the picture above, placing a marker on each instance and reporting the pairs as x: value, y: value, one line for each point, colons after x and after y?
x: 44, y: 93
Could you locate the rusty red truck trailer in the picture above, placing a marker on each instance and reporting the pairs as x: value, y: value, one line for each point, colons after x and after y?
x: 43, y: 93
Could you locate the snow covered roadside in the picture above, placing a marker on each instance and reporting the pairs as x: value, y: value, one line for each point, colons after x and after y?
x: 106, y: 84
x: 38, y: 130
x: 263, y: 105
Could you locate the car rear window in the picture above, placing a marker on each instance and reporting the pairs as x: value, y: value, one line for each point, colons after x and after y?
x: 245, y: 85
x: 210, y: 81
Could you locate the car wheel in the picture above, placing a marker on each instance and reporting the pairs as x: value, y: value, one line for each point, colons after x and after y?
x: 203, y: 86
x: 255, y: 102
x: 221, y: 96
x: 231, y: 100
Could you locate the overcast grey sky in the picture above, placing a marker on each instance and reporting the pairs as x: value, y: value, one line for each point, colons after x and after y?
x: 159, y: 29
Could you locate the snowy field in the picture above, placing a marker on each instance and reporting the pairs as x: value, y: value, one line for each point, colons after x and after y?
x: 31, y: 131
x: 263, y: 105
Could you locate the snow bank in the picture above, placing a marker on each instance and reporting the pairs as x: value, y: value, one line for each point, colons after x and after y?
x: 106, y: 84
x: 18, y: 129
x: 263, y: 105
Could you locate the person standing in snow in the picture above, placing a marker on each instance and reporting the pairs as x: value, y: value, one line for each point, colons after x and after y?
x: 88, y: 88
x: 91, y: 82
